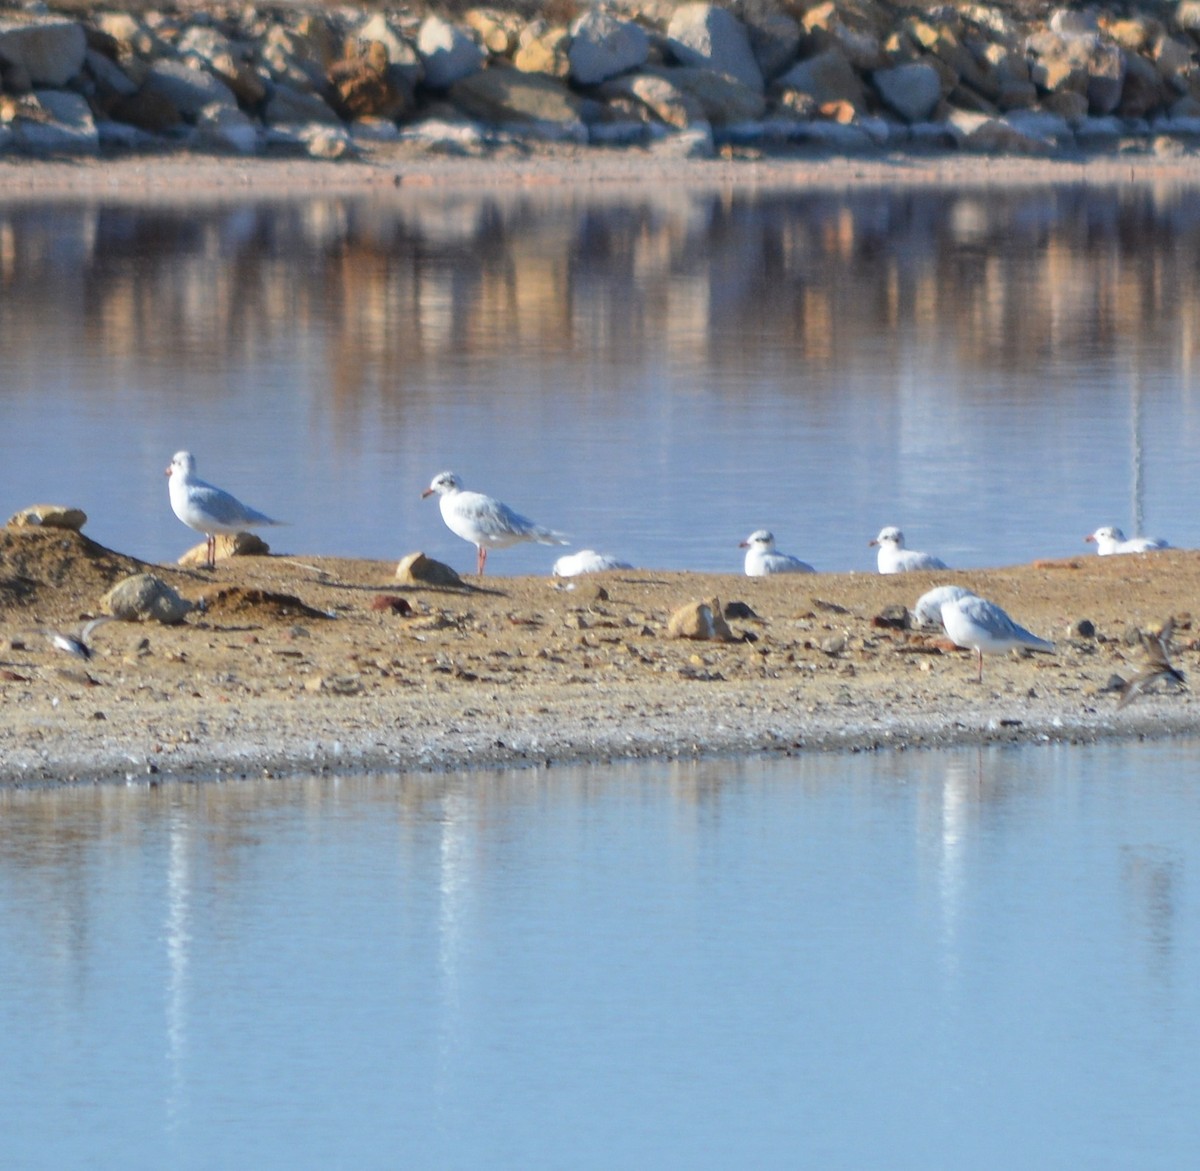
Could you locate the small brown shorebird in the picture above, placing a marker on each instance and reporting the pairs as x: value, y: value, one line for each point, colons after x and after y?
x: 1156, y: 642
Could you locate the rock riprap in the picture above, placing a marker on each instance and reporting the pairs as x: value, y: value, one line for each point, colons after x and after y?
x: 694, y: 78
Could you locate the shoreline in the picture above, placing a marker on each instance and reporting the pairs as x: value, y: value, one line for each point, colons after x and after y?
x: 200, y: 179
x: 531, y: 672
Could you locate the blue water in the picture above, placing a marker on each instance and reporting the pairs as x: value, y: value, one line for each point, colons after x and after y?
x: 657, y: 373
x: 980, y: 959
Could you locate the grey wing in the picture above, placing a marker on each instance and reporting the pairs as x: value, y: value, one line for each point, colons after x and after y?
x: 998, y: 622
x: 508, y: 521
x: 86, y: 632
x: 226, y: 509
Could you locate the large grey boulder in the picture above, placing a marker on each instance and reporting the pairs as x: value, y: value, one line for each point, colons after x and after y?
x: 827, y: 77
x: 723, y: 99
x: 603, y: 46
x: 508, y: 97
x: 288, y: 105
x: 145, y: 598
x: 65, y: 127
x: 707, y: 37
x: 49, y: 51
x: 911, y: 91
x: 659, y: 96
x: 188, y: 89
x: 774, y: 39
x: 447, y: 52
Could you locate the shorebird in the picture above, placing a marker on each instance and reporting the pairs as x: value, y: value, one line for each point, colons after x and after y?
x: 587, y: 561
x: 76, y: 644
x: 928, y: 610
x: 895, y: 558
x: 206, y: 509
x: 1110, y: 539
x: 1155, y: 642
x: 485, y: 522
x: 762, y: 558
x: 985, y: 628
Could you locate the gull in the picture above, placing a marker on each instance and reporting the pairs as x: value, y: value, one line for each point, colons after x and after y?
x: 1110, y: 539
x: 895, y: 558
x: 587, y: 561
x: 485, y: 522
x: 983, y: 627
x: 762, y: 559
x: 1158, y: 664
x: 928, y: 610
x: 206, y: 509
x: 76, y: 644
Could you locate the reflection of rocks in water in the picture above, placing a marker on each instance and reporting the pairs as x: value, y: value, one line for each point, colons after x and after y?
x: 399, y: 286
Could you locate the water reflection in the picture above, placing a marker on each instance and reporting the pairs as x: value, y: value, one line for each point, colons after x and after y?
x: 861, y: 959
x: 395, y: 294
x: 655, y: 372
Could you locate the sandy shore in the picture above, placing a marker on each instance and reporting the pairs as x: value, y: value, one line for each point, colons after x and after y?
x: 188, y: 178
x: 531, y: 672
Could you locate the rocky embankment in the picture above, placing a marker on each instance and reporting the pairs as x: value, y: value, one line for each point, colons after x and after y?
x: 840, y: 76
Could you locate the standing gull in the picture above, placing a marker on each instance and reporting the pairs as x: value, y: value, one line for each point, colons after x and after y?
x: 895, y: 558
x: 485, y: 522
x: 1109, y: 540
x: 762, y: 559
x: 983, y: 627
x: 206, y: 509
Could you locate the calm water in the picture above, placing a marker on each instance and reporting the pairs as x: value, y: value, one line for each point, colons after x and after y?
x: 657, y: 373
x: 969, y: 959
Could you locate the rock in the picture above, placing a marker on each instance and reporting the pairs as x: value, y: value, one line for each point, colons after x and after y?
x: 238, y: 545
x: 49, y: 516
x: 603, y: 45
x: 327, y: 142
x: 447, y: 52
x: 911, y: 91
x: 504, y: 97
x: 145, y: 598
x: 498, y: 31
x: 861, y: 44
x: 110, y: 80
x: 67, y: 126
x: 51, y: 52
x: 417, y: 569
x: 1143, y: 92
x: 363, y: 87
x: 658, y: 96
x: 1106, y: 78
x: 288, y: 105
x: 987, y: 135
x: 298, y: 57
x: 392, y: 604
x: 1082, y: 628
x: 225, y: 129
x: 774, y: 40
x: 1187, y: 15
x: 188, y: 89
x: 700, y: 621
x: 694, y: 142
x: 544, y: 50
x: 707, y: 37
x: 827, y: 77
x: 148, y: 111
x: 1067, y: 104
x: 404, y: 71
x: 723, y: 99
